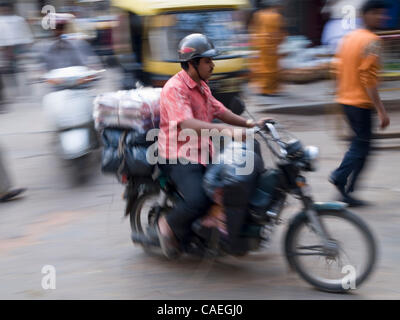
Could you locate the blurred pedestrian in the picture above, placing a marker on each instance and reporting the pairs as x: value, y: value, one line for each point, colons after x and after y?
x: 15, y: 36
x: 267, y: 33
x: 339, y: 23
x: 2, y: 66
x: 6, y: 192
x: 357, y: 76
x: 65, y: 51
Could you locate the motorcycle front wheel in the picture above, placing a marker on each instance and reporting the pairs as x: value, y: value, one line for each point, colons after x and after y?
x: 347, y: 266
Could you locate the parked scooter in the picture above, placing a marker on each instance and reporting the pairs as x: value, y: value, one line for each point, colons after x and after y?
x: 69, y: 109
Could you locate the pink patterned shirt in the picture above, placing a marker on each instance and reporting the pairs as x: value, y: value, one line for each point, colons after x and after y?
x: 181, y: 99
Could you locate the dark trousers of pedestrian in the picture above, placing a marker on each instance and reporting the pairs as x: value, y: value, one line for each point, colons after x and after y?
x: 360, y: 121
x: 5, y: 183
x: 1, y: 90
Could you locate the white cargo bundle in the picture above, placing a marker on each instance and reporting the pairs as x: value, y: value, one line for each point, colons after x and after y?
x: 136, y: 109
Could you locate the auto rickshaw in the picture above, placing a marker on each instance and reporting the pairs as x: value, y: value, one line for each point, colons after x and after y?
x: 149, y: 32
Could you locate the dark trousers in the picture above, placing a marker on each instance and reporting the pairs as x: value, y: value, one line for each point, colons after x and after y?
x: 360, y: 121
x: 188, y: 179
x: 1, y: 89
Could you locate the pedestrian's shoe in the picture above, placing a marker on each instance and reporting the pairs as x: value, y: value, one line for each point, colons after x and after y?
x: 350, y: 189
x: 340, y: 187
x: 11, y: 194
x: 274, y: 95
x: 169, y: 245
x: 353, y: 202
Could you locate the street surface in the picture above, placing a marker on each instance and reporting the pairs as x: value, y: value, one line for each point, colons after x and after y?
x: 81, y: 231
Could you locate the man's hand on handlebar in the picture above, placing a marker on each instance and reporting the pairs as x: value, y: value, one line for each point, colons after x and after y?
x: 261, y: 123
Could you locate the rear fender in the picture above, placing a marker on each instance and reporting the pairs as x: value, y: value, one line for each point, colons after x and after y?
x: 74, y: 143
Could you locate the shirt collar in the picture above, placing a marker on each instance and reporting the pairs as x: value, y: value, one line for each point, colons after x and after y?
x: 189, y: 81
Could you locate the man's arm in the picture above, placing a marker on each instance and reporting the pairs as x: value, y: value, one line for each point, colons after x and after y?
x: 227, y: 116
x: 369, y: 78
x: 374, y: 95
x: 235, y: 120
x: 222, y: 128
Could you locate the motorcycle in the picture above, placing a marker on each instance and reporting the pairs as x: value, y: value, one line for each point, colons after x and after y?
x: 318, y: 239
x: 69, y: 108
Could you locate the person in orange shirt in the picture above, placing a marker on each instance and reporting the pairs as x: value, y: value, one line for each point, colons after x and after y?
x: 266, y: 29
x: 357, y: 67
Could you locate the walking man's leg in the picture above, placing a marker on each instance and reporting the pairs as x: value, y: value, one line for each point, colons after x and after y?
x: 340, y: 175
x: 2, y: 96
x: 364, y: 147
x: 355, y: 158
x: 5, y: 183
x: 6, y: 193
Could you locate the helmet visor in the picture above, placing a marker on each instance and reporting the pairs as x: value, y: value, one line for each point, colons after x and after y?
x: 210, y: 53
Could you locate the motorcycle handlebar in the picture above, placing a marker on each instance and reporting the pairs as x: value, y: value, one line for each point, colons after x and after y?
x: 269, y: 127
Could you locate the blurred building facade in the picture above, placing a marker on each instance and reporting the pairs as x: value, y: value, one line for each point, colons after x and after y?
x: 306, y: 17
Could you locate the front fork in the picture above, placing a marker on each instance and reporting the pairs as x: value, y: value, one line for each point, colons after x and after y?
x: 329, y: 246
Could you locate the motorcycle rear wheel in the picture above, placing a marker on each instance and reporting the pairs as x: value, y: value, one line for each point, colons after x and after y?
x: 143, y: 219
x: 304, y: 254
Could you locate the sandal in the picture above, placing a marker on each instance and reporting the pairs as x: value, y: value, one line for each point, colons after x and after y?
x: 169, y: 245
x: 11, y: 194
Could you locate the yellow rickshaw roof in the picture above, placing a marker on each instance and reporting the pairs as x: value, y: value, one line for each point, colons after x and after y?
x: 153, y: 7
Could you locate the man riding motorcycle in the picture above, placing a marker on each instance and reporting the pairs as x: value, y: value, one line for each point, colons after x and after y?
x: 187, y: 103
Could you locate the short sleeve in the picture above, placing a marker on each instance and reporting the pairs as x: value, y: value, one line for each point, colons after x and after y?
x: 335, y: 66
x: 370, y: 64
x: 176, y: 104
x: 217, y: 107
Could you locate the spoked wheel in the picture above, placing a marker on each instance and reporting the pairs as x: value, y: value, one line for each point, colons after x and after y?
x: 341, y: 265
x: 143, y: 217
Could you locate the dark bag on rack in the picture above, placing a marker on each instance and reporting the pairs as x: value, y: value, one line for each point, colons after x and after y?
x: 124, y: 152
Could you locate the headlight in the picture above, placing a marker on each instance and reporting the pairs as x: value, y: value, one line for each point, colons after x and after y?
x: 311, y: 155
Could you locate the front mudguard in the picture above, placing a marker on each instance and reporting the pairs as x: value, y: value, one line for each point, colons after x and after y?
x: 321, y: 206
x: 333, y: 206
x: 318, y: 207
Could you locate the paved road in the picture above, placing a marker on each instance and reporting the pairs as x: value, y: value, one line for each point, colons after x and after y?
x: 81, y: 232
